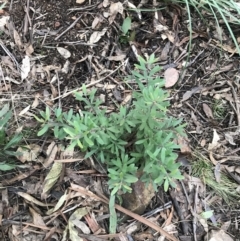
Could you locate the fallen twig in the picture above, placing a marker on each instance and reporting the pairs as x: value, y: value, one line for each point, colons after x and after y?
x: 88, y: 85
x: 145, y: 221
x: 71, y: 26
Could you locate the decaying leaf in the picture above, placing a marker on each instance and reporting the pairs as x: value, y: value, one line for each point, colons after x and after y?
x: 36, y: 102
x: 25, y: 68
x: 29, y: 49
x: 114, y: 9
x: 184, y: 145
x: 96, y: 36
x: 105, y: 3
x: 117, y: 57
x: 207, y: 110
x: 229, y: 138
x: 132, y: 6
x: 24, y: 111
x: 51, y: 153
x: 215, y: 140
x: 32, y: 199
x: 29, y: 153
x: 165, y: 52
x: 218, y: 235
x: 3, y: 22
x: 52, y: 177
x: 74, y: 222
x: 217, y: 172
x: 171, y: 76
x: 64, y: 52
x: 17, y: 39
x: 188, y: 94
x: 59, y: 204
x: 37, y: 218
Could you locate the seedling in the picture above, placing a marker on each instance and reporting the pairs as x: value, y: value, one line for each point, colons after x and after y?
x: 139, y: 138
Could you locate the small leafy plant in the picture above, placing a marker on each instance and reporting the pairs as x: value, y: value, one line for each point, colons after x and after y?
x: 127, y: 35
x: 138, y: 139
x: 7, y: 144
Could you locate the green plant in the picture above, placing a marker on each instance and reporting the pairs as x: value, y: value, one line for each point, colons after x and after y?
x: 127, y: 35
x: 222, y: 10
x: 225, y: 188
x: 7, y: 144
x: 138, y: 140
x: 219, y: 109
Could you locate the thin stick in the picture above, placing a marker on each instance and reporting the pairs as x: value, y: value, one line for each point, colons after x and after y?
x: 145, y: 221
x: 71, y: 26
x: 237, y: 111
x: 88, y: 85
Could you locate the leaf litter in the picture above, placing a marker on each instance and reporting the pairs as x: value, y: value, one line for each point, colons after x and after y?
x: 33, y: 72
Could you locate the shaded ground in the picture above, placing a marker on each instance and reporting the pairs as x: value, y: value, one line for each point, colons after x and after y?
x: 206, y: 96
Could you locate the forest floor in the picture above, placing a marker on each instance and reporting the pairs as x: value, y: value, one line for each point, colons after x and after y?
x: 64, y: 45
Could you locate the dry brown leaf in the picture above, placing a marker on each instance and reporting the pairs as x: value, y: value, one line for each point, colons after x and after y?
x: 114, y: 9
x: 54, y: 91
x: 51, y: 154
x: 218, y: 235
x: 165, y: 52
x: 171, y: 76
x: 213, y: 160
x: 169, y: 35
x: 92, y: 222
x: 29, y: 49
x: 25, y: 68
x: 215, y: 140
x: 229, y: 138
x: 80, y: 1
x: 96, y: 36
x: 36, y: 102
x: 217, y: 172
x: 134, y: 8
x: 226, y: 47
x: 3, y: 21
x: 96, y: 22
x: 74, y: 222
x: 105, y: 3
x: 24, y: 111
x: 52, y: 177
x: 17, y: 39
x: 207, y: 110
x: 66, y: 67
x: 37, y: 218
x: 64, y: 52
x: 29, y: 153
x: 184, y: 145
x: 188, y: 94
x: 117, y: 58
x: 33, y: 200
x: 59, y: 204
x: 127, y: 99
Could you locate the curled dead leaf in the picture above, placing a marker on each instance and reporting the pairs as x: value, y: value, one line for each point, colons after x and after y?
x: 96, y: 36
